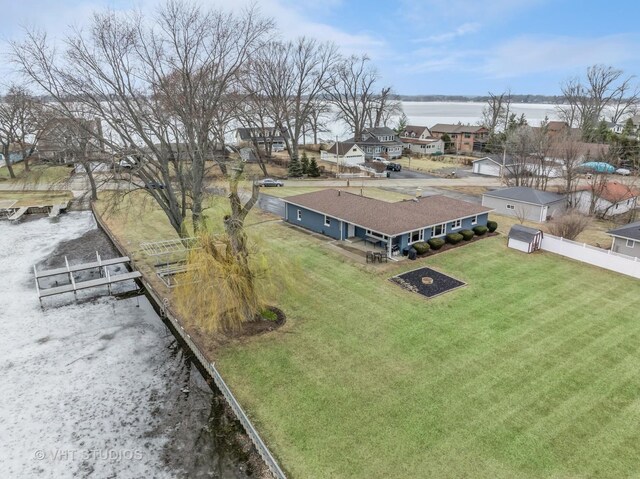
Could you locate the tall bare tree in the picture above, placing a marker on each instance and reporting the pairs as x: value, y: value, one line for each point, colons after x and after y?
x: 353, y: 92
x: 384, y: 107
x: 604, y: 92
x: 293, y: 76
x: 520, y: 145
x: 158, y: 86
x: 495, y: 113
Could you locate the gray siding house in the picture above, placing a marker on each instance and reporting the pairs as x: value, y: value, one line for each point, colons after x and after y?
x: 626, y: 239
x: 528, y: 203
x: 380, y: 141
x: 344, y: 216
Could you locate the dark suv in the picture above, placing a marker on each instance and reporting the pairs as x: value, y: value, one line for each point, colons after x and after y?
x: 394, y: 167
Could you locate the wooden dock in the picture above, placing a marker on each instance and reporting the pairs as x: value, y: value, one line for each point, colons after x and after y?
x: 105, y: 279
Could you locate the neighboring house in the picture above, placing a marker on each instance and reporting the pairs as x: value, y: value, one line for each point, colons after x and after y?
x: 524, y: 239
x: 609, y: 199
x: 345, y: 216
x: 615, y: 127
x: 524, y: 202
x: 428, y: 146
x: 416, y: 132
x: 497, y: 165
x: 344, y: 153
x: 62, y: 139
x: 464, y: 138
x: 380, y: 141
x: 262, y: 137
x: 626, y: 239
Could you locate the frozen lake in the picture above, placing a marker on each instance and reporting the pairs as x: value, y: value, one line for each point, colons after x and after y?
x: 97, y: 387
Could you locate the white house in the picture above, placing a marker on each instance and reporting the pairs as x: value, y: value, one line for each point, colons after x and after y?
x: 609, y: 199
x: 344, y: 153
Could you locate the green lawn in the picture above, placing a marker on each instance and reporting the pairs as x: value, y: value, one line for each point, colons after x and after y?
x: 35, y: 198
x: 532, y: 370
x: 38, y: 173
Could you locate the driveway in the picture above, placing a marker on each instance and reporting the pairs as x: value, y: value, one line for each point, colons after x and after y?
x: 271, y: 204
x: 409, y: 174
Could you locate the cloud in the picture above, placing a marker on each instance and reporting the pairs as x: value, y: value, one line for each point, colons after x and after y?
x: 464, y: 29
x: 534, y: 54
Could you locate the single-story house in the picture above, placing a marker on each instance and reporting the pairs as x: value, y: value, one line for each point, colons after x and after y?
x: 528, y: 203
x: 427, y: 146
x: 609, y: 199
x: 524, y: 239
x: 262, y: 137
x: 626, y: 239
x: 344, y: 153
x: 347, y: 216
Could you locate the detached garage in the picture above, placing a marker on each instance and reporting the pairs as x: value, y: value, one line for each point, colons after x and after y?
x: 524, y: 239
x: 493, y: 166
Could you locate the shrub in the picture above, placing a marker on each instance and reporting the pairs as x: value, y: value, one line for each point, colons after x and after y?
x: 421, y: 247
x: 480, y: 230
x: 436, y: 243
x: 569, y: 225
x: 467, y: 234
x: 454, y: 238
x: 492, y: 226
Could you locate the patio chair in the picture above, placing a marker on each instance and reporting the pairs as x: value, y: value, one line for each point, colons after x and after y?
x: 370, y: 257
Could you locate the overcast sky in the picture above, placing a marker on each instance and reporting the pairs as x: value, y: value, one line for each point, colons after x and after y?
x: 423, y: 46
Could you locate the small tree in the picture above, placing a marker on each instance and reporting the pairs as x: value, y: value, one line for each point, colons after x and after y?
x: 446, y: 139
x: 569, y: 225
x: 295, y: 168
x: 313, y: 170
x: 402, y: 125
x: 304, y: 163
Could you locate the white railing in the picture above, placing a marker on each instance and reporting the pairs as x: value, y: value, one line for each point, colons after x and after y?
x: 585, y: 253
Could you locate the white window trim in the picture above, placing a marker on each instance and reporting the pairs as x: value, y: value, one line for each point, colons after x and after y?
x: 299, y: 215
x: 474, y: 220
x: 457, y: 224
x: 632, y: 245
x: 327, y: 220
x: 420, y: 236
x: 375, y: 234
x: 444, y: 230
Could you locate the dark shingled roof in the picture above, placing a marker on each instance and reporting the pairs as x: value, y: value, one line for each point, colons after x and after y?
x: 523, y: 233
x: 343, y: 147
x: 630, y: 231
x: 447, y: 128
x: 387, y: 218
x: 526, y: 195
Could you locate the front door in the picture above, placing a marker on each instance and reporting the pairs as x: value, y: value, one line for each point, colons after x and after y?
x: 351, y: 231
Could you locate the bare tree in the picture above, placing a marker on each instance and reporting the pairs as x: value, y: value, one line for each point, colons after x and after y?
x: 383, y: 108
x: 157, y: 86
x: 604, y: 90
x: 569, y: 225
x: 495, y: 113
x: 318, y: 117
x: 565, y: 149
x: 353, y: 92
x: 520, y: 145
x: 293, y: 76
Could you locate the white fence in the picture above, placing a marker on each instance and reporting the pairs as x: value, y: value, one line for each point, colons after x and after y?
x: 590, y: 254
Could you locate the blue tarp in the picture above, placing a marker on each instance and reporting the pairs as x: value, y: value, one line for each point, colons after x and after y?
x: 598, y: 167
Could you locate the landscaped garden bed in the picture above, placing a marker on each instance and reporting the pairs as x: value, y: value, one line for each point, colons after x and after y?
x: 427, y: 282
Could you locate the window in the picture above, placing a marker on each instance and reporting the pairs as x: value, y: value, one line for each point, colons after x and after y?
x: 416, y: 236
x: 438, y: 230
x: 474, y: 220
x: 327, y: 221
x: 511, y: 207
x: 457, y: 224
x: 299, y: 215
x: 467, y: 135
x: 376, y: 234
x: 630, y: 243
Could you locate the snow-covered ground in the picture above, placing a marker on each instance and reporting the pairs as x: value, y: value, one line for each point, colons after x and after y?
x: 95, y: 387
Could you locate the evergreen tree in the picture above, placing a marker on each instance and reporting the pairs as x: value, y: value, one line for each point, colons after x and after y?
x: 313, y: 171
x: 629, y: 128
x: 402, y: 125
x: 446, y: 139
x: 295, y: 168
x: 304, y: 163
x: 602, y: 132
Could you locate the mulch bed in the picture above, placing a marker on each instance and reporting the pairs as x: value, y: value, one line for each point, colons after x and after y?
x: 413, y: 281
x: 262, y: 325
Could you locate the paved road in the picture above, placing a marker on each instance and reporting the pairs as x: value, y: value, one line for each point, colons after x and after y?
x: 409, y: 174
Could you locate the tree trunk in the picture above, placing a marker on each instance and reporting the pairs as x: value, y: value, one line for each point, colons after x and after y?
x: 5, y: 152
x: 92, y: 182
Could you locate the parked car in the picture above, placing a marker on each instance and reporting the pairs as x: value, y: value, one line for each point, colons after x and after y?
x: 379, y: 159
x: 154, y: 185
x: 394, y: 167
x: 270, y: 182
x: 127, y: 162
x: 623, y: 172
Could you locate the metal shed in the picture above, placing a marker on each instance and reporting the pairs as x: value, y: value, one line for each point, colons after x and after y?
x: 524, y: 239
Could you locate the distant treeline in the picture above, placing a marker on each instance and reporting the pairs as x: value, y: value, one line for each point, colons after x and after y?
x: 551, y: 99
